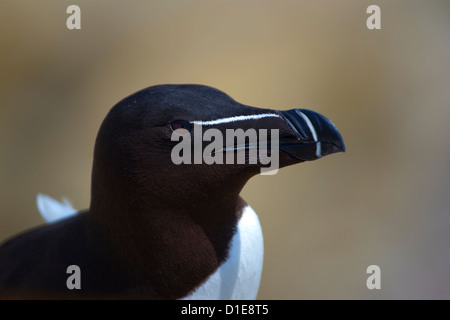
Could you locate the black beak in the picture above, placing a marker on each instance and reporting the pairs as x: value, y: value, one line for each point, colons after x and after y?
x: 315, y: 135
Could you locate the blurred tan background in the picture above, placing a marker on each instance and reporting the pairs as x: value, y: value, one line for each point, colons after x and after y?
x: 386, y: 201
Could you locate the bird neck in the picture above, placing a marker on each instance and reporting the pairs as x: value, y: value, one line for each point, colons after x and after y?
x: 171, y: 249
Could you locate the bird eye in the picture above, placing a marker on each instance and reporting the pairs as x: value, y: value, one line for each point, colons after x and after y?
x: 180, y: 124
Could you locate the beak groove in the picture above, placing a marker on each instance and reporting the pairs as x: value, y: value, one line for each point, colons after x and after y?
x: 315, y: 135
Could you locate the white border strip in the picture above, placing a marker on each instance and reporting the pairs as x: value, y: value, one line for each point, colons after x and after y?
x: 235, y: 119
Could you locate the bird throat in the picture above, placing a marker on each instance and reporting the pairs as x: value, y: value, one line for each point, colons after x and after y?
x: 169, y: 253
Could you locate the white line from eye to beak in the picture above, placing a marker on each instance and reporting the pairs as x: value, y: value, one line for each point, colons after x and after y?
x: 235, y: 119
x: 313, y: 132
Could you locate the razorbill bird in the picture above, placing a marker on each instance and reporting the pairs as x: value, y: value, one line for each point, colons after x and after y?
x: 156, y: 229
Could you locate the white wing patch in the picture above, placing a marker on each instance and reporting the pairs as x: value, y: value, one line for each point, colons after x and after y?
x: 52, y: 210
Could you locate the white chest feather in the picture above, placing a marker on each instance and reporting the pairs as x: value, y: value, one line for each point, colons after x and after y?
x: 239, y: 276
x: 236, y: 279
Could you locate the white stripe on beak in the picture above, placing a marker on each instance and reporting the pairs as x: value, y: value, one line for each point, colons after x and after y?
x: 313, y: 132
